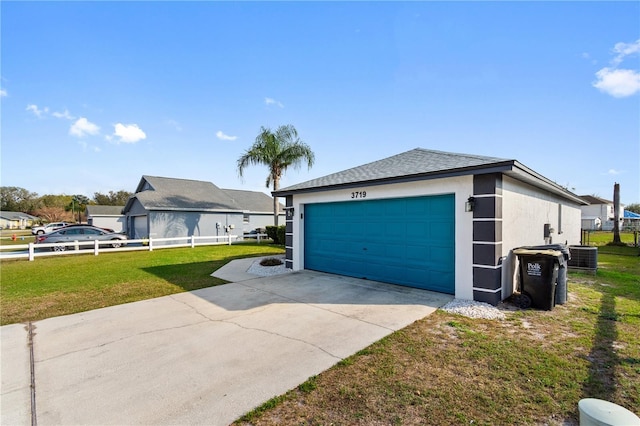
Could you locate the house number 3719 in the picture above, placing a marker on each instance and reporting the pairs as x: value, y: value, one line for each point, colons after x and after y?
x: 359, y: 194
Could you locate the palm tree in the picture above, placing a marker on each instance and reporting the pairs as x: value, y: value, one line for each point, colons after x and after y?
x: 616, y: 214
x: 277, y: 150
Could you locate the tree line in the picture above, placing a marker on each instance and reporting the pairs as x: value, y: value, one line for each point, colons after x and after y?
x: 54, y: 208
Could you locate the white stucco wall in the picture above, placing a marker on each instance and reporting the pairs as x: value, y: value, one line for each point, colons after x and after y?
x: 117, y: 223
x: 603, y: 211
x: 261, y: 220
x: 461, y: 187
x: 525, y: 210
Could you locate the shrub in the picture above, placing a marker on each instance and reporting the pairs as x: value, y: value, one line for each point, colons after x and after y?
x: 276, y: 233
x: 280, y: 234
x: 270, y: 261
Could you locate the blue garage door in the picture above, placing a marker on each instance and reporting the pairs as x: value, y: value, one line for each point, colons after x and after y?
x: 407, y: 241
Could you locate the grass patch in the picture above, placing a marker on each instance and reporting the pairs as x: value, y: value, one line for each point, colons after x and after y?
x: 64, y: 285
x: 529, y: 369
x: 602, y: 238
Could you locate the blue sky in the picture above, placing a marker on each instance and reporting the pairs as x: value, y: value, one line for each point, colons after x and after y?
x: 96, y: 94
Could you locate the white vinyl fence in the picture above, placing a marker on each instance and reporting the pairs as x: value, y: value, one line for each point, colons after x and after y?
x: 31, y: 251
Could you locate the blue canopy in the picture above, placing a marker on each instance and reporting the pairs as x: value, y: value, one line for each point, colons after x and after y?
x: 631, y: 215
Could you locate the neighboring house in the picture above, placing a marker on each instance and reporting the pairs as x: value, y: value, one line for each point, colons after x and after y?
x: 631, y: 221
x: 603, y: 209
x: 16, y: 220
x: 591, y: 223
x: 166, y: 207
x: 257, y: 208
x: 428, y: 219
x: 107, y: 217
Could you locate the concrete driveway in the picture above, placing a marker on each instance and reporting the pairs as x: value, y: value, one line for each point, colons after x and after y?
x: 203, y: 357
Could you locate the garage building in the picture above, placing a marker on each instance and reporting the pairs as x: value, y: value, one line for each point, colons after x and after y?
x: 428, y: 219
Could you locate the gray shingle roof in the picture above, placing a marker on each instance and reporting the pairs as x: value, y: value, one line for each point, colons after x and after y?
x: 104, y: 210
x: 16, y: 216
x: 422, y: 164
x: 253, y: 201
x: 162, y: 193
x: 417, y: 162
x: 183, y: 194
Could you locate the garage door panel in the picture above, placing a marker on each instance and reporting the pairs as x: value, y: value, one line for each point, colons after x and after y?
x: 395, y: 251
x: 350, y: 228
x: 416, y: 207
x: 404, y: 241
x: 439, y: 280
x: 386, y: 273
x: 439, y: 231
x: 417, y: 252
x: 394, y: 209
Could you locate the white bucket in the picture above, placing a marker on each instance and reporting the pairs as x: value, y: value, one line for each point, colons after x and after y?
x: 596, y: 412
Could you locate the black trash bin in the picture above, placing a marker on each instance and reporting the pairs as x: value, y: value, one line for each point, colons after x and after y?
x: 563, y: 263
x: 538, y: 276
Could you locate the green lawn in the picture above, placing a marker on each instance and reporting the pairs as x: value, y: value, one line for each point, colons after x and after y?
x: 63, y: 285
x: 530, y: 369
x: 601, y: 238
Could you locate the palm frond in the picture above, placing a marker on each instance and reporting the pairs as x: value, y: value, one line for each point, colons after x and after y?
x: 277, y: 150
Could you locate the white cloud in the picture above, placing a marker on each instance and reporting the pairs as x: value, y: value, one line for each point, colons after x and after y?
x: 175, y: 124
x: 625, y: 49
x: 128, y: 133
x: 271, y: 101
x: 64, y: 114
x: 617, y: 83
x: 37, y: 111
x: 613, y: 172
x: 83, y: 127
x: 3, y: 93
x: 224, y: 137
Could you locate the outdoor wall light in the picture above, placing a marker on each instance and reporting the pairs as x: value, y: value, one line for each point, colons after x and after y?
x: 289, y: 211
x: 470, y: 204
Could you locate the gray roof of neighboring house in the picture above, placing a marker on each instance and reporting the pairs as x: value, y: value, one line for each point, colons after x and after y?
x: 422, y: 164
x: 162, y: 193
x: 253, y: 201
x: 98, y: 210
x: 16, y: 216
x: 181, y: 195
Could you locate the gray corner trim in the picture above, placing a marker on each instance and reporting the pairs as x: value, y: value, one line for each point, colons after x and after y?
x: 488, y: 231
x: 488, y: 195
x: 487, y: 297
x: 486, y: 290
x: 487, y: 184
x: 487, y: 266
x: 485, y: 278
x: 487, y: 254
x: 487, y: 208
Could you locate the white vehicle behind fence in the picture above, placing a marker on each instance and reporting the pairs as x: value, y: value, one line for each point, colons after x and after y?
x: 50, y: 227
